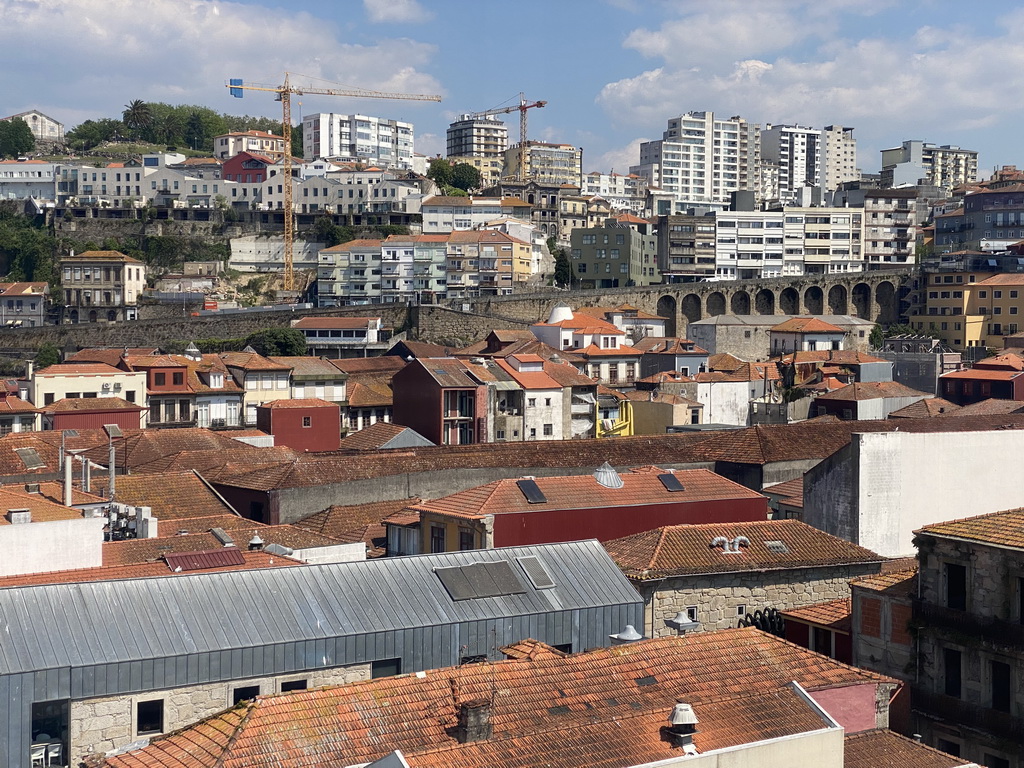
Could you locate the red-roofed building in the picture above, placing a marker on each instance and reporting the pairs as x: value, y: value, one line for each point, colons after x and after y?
x: 604, y: 505
x: 443, y: 399
x: 1000, y: 377
x: 805, y: 333
x: 307, y: 424
x: 246, y: 168
x: 86, y: 380
x: 16, y: 415
x: 822, y: 627
x: 91, y: 413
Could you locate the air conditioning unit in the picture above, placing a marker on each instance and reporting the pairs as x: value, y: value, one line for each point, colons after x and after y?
x: 117, y: 387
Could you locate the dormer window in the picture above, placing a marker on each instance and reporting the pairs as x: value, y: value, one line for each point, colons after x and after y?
x: 216, y: 380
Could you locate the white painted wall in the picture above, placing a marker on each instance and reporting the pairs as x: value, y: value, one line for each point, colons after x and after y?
x: 340, y: 553
x: 903, y: 481
x: 59, y: 545
x: 728, y: 402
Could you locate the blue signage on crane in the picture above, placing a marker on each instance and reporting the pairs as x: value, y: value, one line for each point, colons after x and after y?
x: 235, y: 88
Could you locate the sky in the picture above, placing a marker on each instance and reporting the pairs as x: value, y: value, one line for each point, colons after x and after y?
x: 612, y: 71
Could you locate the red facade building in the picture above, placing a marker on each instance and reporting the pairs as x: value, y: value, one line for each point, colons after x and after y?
x: 1000, y: 377
x: 443, y: 399
x: 246, y: 168
x: 306, y: 424
x: 91, y: 413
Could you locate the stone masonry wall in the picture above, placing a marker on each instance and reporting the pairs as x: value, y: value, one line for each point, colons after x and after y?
x: 103, y: 724
x: 718, y: 597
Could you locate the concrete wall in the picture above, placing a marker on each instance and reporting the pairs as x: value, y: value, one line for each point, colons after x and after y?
x: 58, y: 545
x: 728, y: 402
x: 885, y: 485
x: 103, y: 724
x: 719, y: 597
x: 815, y: 749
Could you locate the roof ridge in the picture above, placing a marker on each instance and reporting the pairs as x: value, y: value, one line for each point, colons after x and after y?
x: 662, y: 535
x: 239, y: 729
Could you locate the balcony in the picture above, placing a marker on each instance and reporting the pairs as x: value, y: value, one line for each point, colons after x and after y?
x: 985, y: 629
x: 965, y: 713
x: 584, y: 409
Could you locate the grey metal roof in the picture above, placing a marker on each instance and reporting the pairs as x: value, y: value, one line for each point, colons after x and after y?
x: 770, y: 320
x: 74, y: 625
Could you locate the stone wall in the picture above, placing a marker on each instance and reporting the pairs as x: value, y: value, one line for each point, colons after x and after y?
x: 445, y: 325
x: 719, y: 598
x: 103, y: 724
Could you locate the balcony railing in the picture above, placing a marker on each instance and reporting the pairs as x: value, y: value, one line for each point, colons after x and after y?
x: 965, y: 713
x: 985, y: 628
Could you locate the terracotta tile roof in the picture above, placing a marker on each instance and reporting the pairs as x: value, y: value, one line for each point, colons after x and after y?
x: 830, y: 356
x: 101, y: 256
x: 76, y: 369
x: 90, y: 405
x: 251, y: 361
x: 893, y: 583
x: 424, y: 349
x: 42, y: 509
x: 334, y: 322
x: 208, y: 461
x: 368, y: 391
x: 682, y: 550
x: 568, y: 375
x: 1002, y: 528
x: 14, y: 404
x: 143, y: 446
x: 628, y: 310
x: 327, y: 468
x: 990, y: 407
x: 872, y: 390
x: 1007, y: 362
x: 357, y: 522
x: 592, y: 350
x: 1010, y: 278
x: 528, y: 379
x: 651, y: 396
x: 23, y: 289
x: 929, y: 408
x: 790, y: 492
x: 529, y: 696
x: 723, y: 361
x: 654, y: 345
x: 371, y: 438
x: 388, y: 364
x: 835, y: 614
x: 584, y: 492
x: 145, y: 570
x: 133, y: 551
x: 172, y: 496
x: 55, y: 492
x: 298, y: 402
x: 307, y: 366
x: 586, y: 322
x: 981, y: 374
x: 353, y: 245
x: 886, y: 749
x: 805, y: 325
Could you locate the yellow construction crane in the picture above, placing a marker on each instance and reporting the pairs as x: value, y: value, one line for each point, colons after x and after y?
x: 521, y: 108
x: 284, y: 95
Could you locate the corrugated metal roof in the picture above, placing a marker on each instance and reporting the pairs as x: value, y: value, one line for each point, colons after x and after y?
x: 132, y: 620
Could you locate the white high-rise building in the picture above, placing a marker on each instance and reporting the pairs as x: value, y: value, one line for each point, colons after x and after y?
x: 701, y: 160
x: 808, y: 157
x: 477, y: 137
x: 357, y: 139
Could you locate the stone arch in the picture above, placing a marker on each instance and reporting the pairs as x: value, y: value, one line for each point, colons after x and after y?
x: 111, y: 315
x: 885, y: 299
x: 814, y: 300
x: 740, y: 303
x: 861, y: 299
x: 764, y: 302
x: 667, y: 309
x: 715, y: 304
x: 789, y: 301
x: 92, y: 316
x: 692, y: 309
x: 73, y: 316
x: 837, y: 300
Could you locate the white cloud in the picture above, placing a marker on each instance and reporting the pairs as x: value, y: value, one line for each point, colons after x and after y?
x: 431, y: 144
x: 617, y: 160
x: 102, y: 53
x: 396, y: 11
x: 794, y: 67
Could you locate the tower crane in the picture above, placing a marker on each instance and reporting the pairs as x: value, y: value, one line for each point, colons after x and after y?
x: 284, y: 95
x: 521, y: 107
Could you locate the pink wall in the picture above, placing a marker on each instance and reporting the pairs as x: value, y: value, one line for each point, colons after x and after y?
x: 852, y: 706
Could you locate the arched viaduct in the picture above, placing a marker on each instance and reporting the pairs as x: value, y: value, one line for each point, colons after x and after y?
x: 873, y: 296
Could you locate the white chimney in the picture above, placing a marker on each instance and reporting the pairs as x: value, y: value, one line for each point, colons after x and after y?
x: 561, y: 311
x: 19, y: 516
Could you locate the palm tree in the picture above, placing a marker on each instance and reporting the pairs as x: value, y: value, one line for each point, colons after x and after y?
x: 137, y: 116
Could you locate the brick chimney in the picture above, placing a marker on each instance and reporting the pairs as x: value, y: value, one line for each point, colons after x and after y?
x: 474, y: 721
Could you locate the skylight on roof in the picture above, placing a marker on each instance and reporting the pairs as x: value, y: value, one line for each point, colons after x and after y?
x: 778, y: 547
x: 30, y: 458
x: 532, y: 491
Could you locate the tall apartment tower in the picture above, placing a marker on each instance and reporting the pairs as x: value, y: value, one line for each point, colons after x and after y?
x: 477, y: 137
x: 945, y: 166
x: 702, y: 159
x: 357, y: 139
x: 800, y: 157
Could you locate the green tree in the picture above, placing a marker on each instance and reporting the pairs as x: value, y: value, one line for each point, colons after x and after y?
x: 563, y: 268
x: 47, y: 355
x: 137, y: 116
x: 282, y: 342
x: 296, y: 140
x: 91, y: 133
x: 441, y: 171
x: 465, y: 176
x: 16, y: 138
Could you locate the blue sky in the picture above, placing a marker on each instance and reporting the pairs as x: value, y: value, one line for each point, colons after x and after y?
x: 612, y: 71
